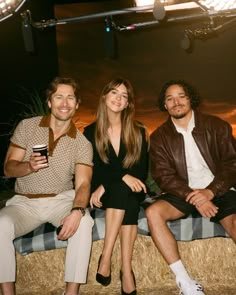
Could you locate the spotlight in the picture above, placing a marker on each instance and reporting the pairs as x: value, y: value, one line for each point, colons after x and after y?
x: 218, y: 4
x: 110, y: 38
x: 27, y: 31
x: 9, y: 7
x: 143, y: 2
x: 187, y: 41
x: 108, y: 24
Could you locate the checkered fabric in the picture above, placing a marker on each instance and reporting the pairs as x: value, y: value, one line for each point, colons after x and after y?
x: 187, y: 229
x: 42, y: 238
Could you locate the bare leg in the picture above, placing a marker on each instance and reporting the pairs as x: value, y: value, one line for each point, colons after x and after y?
x: 8, y: 288
x: 128, y: 236
x: 157, y: 216
x: 72, y: 289
x: 229, y: 224
x: 114, y: 218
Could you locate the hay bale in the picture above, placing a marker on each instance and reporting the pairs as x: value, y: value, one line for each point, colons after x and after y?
x: 40, y: 272
x: 211, y: 261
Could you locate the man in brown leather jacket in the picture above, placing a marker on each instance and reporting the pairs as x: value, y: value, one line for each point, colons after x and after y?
x: 193, y: 160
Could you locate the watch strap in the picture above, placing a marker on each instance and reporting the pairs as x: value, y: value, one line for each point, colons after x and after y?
x: 81, y: 209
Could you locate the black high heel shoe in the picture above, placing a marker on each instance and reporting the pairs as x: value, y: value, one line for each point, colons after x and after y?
x: 122, y: 291
x: 105, y: 281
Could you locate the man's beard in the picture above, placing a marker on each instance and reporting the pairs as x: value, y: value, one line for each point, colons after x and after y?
x: 179, y: 116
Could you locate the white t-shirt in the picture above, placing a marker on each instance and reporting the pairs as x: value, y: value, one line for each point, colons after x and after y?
x: 199, y: 174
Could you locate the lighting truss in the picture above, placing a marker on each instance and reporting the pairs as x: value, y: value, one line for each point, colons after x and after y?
x: 130, y: 10
x: 9, y: 7
x: 211, y: 15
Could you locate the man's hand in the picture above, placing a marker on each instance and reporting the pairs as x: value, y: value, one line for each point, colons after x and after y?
x: 15, y: 166
x: 199, y: 196
x: 96, y: 197
x: 37, y: 162
x: 208, y: 209
x: 134, y: 183
x: 201, y: 199
x: 70, y: 225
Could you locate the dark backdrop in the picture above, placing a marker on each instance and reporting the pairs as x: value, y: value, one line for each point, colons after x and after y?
x: 21, y: 69
x: 148, y: 57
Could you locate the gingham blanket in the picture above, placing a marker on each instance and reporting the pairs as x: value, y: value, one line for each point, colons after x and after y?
x: 187, y: 229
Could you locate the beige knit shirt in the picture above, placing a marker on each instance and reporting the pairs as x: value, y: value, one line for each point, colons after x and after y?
x: 70, y: 149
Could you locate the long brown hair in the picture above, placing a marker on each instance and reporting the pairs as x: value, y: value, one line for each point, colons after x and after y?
x: 130, y: 129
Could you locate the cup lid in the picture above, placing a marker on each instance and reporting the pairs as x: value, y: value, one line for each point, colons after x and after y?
x: 38, y: 146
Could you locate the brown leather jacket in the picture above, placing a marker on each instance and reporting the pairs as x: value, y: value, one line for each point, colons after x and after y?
x: 216, y: 143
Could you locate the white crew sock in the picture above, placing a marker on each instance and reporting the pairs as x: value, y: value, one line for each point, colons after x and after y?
x: 180, y: 272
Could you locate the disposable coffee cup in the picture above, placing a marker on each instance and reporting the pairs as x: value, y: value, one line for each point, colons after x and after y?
x: 42, y: 149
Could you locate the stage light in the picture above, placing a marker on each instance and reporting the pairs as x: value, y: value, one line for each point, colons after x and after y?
x: 218, y: 4
x: 160, y: 7
x: 152, y: 2
x: 27, y: 31
x: 108, y: 24
x: 9, y: 7
x: 187, y: 41
x: 143, y: 2
x: 110, y: 38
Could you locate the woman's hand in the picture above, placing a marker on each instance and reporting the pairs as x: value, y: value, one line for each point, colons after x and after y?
x: 134, y: 183
x: 96, y: 196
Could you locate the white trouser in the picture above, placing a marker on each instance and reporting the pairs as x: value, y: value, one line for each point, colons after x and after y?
x: 22, y: 215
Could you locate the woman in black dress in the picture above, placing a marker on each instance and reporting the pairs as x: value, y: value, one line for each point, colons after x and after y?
x: 120, y: 146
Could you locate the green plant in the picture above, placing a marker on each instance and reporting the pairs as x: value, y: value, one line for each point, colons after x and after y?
x: 28, y: 104
x: 34, y: 107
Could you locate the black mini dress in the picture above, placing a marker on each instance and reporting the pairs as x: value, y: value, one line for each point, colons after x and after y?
x: 117, y: 194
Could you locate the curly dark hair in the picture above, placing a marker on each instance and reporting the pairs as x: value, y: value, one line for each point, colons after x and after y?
x: 190, y: 91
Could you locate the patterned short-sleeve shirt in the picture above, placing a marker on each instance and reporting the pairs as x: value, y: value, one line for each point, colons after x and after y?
x: 71, y: 149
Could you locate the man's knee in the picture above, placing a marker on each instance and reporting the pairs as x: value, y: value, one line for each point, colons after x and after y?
x: 86, y: 223
x: 83, y: 236
x: 154, y: 212
x: 6, y: 226
x: 229, y: 224
x: 162, y: 211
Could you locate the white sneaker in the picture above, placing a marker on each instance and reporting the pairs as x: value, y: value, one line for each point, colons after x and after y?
x: 193, y: 288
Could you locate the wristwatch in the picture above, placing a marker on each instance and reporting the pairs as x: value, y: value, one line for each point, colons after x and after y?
x: 81, y: 209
